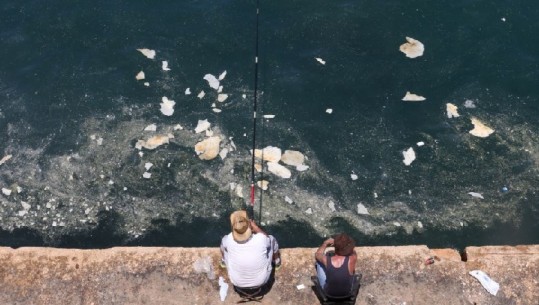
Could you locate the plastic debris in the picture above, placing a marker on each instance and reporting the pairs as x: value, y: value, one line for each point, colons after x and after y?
x: 5, y: 158
x: 202, y: 125
x: 6, y: 191
x: 222, y: 75
x: 147, y: 52
x: 329, y: 111
x: 151, y: 127
x: 140, y: 75
x: 164, y: 65
x: 223, y: 288
x: 476, y: 195
x: 480, y: 130
x: 413, y: 48
x: 212, y: 81
x: 269, y: 116
x: 320, y: 60
x: 222, y: 97
x: 353, y: 176
x: 469, y: 104
x: 411, y: 97
x: 490, y: 285
x: 201, y: 94
x: 188, y: 91
x: 300, y: 286
x: 361, y: 209
x: 452, y: 111
x: 409, y: 156
x: 421, y: 143
x: 167, y: 106
x: 147, y: 175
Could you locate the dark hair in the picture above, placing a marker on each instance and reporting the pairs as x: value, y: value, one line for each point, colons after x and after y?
x: 344, y: 244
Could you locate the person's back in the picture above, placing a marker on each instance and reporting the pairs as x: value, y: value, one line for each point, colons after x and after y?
x: 335, y: 271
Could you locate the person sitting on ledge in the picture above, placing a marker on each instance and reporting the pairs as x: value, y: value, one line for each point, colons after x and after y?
x: 335, y: 271
x: 249, y: 254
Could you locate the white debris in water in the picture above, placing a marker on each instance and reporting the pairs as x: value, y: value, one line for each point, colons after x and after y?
x: 153, y: 142
x: 293, y: 158
x: 167, y: 106
x: 25, y: 205
x: 220, y: 89
x: 331, y: 206
x: 361, y: 209
x: 329, y: 110
x: 320, y: 60
x: 409, y: 192
x: 503, y: 19
x: 420, y: 225
x: 222, y: 75
x: 19, y: 189
x: 269, y: 116
x: 164, y: 65
x: 263, y: 184
x: 188, y: 91
x: 22, y: 213
x: 397, y: 224
x: 147, y: 52
x: 212, y: 81
x: 413, y: 48
x: 223, y: 153
x: 6, y: 191
x: 411, y: 97
x: 476, y: 195
x: 202, y: 125
x: 178, y: 127
x: 469, y: 104
x: 244, y: 96
x: 140, y: 75
x: 288, y: 200
x: 208, y: 148
x: 209, y: 133
x: 216, y: 110
x: 309, y: 211
x: 353, y: 176
x: 421, y: 143
x: 375, y: 195
x: 239, y: 191
x: 5, y: 159
x: 452, y: 111
x: 279, y: 170
x: 302, y: 168
x: 151, y: 127
x: 480, y: 130
x: 409, y: 156
x: 147, y: 175
x: 222, y: 97
x: 99, y: 141
x: 147, y: 84
x: 269, y: 153
x: 201, y: 94
x: 148, y: 165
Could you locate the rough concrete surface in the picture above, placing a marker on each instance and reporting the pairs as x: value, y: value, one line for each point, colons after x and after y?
x: 391, y: 275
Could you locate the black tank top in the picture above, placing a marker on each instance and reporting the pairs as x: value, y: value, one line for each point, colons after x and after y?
x: 338, y: 280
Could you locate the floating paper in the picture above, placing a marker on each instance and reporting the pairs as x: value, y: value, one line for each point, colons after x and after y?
x: 409, y: 156
x: 164, y: 65
x: 279, y: 170
x: 361, y: 209
x: 451, y: 111
x: 222, y: 97
x: 222, y: 76
x: 480, y: 130
x: 413, y: 48
x: 410, y: 97
x: 212, y: 81
x: 140, y: 75
x: 269, y: 153
x: 167, y: 106
x: 320, y: 60
x: 147, y: 175
x: 293, y: 158
x: 201, y: 94
x: 476, y: 195
x: 5, y: 158
x: 354, y: 176
x: 202, y: 125
x: 208, y: 149
x: 329, y: 110
x: 269, y: 116
x: 187, y: 91
x: 147, y: 52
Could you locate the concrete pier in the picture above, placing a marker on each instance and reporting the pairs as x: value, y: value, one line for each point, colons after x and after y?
x: 391, y: 275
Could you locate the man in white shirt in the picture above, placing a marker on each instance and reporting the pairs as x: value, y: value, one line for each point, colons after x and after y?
x: 248, y: 253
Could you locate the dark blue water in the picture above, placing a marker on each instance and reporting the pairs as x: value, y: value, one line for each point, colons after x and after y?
x: 67, y: 78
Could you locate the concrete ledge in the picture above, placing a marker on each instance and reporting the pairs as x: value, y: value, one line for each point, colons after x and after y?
x: 391, y: 275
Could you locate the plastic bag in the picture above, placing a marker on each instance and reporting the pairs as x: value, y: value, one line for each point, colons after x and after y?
x: 489, y: 284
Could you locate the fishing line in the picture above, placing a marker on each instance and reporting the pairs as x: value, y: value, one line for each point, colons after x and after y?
x: 255, y: 106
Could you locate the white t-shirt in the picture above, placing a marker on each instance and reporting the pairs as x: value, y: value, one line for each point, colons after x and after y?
x: 248, y: 264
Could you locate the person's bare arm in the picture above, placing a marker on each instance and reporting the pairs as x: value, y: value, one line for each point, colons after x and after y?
x: 255, y: 228
x: 320, y: 254
x: 352, y: 263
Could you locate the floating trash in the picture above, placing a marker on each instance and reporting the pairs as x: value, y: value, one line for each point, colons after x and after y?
x: 361, y: 209
x: 269, y: 116
x: 469, y: 104
x: 148, y: 53
x: 480, y: 130
x: 212, y: 81
x: 164, y: 65
x: 222, y: 75
x: 202, y: 125
x: 140, y: 75
x: 188, y: 91
x: 451, y: 111
x: 329, y: 111
x: 279, y: 170
x: 201, y: 94
x: 320, y: 60
x: 476, y: 195
x: 411, y: 97
x: 167, y: 106
x: 413, y: 48
x: 293, y: 158
x: 151, y: 127
x: 208, y: 148
x: 409, y: 156
x: 5, y: 159
x: 222, y: 97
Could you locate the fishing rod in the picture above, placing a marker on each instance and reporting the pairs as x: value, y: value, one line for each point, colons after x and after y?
x: 255, y: 106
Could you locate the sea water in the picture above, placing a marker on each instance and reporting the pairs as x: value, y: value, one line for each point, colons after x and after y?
x: 331, y: 80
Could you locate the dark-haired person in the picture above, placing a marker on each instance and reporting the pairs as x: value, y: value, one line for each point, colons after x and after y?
x: 249, y: 254
x: 335, y: 271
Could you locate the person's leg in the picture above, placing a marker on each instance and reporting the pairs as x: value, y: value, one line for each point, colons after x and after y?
x: 276, y: 254
x: 321, y: 274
